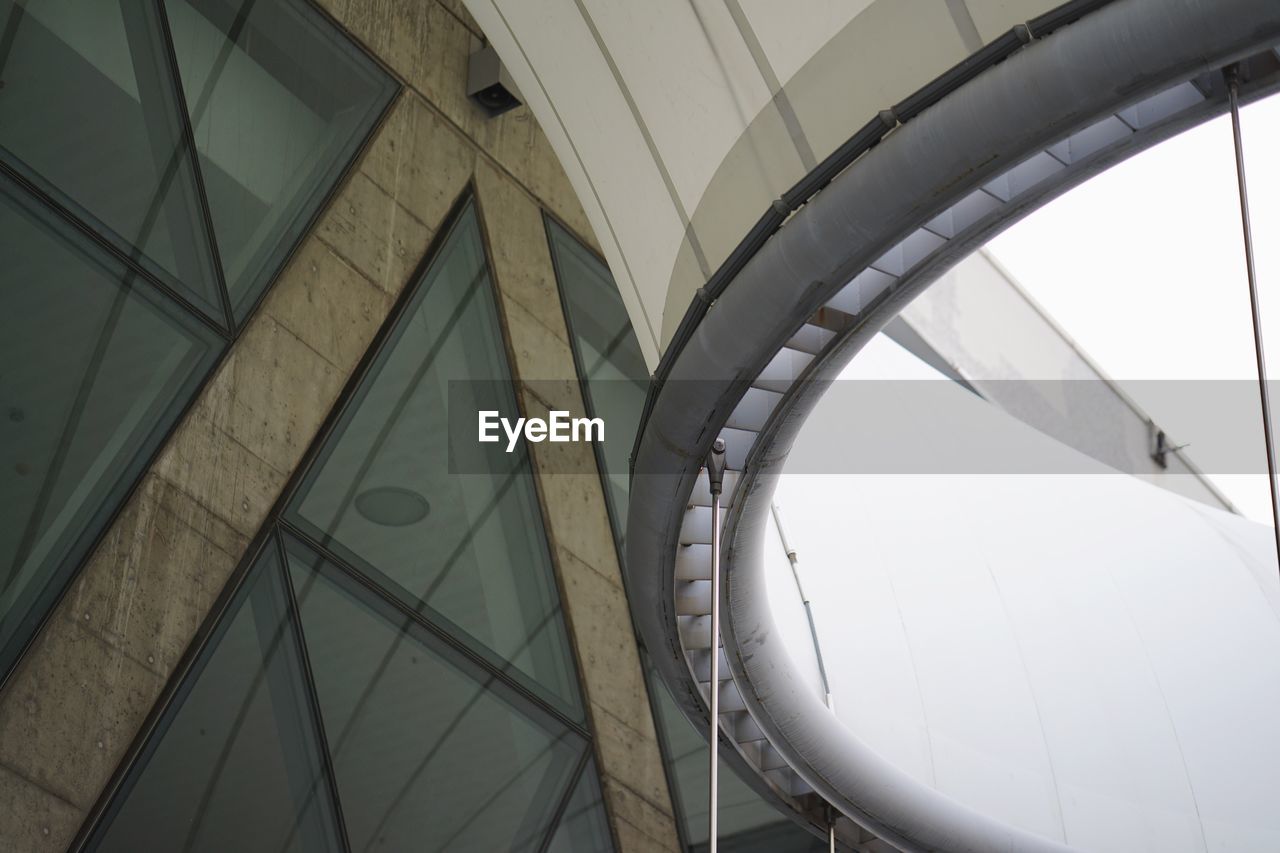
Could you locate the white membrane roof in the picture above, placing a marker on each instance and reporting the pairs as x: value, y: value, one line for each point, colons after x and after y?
x: 680, y: 121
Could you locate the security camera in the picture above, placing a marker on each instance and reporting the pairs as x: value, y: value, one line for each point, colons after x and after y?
x: 489, y: 85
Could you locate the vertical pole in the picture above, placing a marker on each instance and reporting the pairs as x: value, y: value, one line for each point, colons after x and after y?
x: 715, y: 480
x: 1232, y: 75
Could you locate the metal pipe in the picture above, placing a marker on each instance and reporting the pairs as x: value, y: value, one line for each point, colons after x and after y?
x: 715, y: 667
x: 1232, y: 75
x: 715, y: 481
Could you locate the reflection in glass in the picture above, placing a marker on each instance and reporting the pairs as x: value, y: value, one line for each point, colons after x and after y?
x: 236, y: 764
x: 89, y: 112
x: 94, y: 368
x: 747, y: 823
x: 608, y: 358
x: 584, y: 827
x: 430, y: 753
x: 467, y: 549
x: 279, y: 102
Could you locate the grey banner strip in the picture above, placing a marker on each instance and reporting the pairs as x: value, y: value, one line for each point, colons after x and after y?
x: 964, y: 24
x: 780, y: 99
x: 648, y: 140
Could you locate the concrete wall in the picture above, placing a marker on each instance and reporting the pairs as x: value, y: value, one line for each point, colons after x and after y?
x: 80, y: 696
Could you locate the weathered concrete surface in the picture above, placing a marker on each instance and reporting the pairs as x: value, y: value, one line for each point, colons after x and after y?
x: 79, y: 697
x: 427, y: 44
x: 595, y: 606
x: 40, y: 820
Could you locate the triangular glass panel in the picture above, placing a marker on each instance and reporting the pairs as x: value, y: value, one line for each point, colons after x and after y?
x: 609, y: 360
x: 236, y: 762
x: 584, y: 826
x: 97, y: 367
x: 430, y: 752
x: 280, y: 100
x: 466, y: 549
x: 89, y: 114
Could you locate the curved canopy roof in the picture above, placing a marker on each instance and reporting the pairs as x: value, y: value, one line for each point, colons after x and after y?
x: 680, y: 122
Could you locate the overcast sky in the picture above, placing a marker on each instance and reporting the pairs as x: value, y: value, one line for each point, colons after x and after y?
x: 1144, y: 266
x: 923, y: 593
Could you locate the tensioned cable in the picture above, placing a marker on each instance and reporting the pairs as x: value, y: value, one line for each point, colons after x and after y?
x: 1232, y: 75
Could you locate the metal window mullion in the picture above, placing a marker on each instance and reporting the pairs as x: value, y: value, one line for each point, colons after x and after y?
x: 67, y: 435
x: 563, y: 805
x: 175, y: 691
x: 294, y: 615
x: 125, y: 259
x: 668, y: 762
x: 189, y: 141
x: 456, y: 644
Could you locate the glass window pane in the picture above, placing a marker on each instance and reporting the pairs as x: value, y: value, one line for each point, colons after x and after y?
x: 747, y: 823
x: 608, y: 358
x: 279, y: 102
x: 584, y: 826
x: 74, y: 70
x: 429, y: 752
x: 236, y: 765
x: 468, y: 549
x: 94, y: 369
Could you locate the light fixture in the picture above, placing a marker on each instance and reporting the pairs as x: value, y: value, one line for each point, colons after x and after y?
x: 392, y: 506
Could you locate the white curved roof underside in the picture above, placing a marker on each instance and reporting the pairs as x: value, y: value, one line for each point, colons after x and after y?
x: 680, y: 121
x: 1087, y: 657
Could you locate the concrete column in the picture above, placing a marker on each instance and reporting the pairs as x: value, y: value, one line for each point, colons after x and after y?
x: 632, y: 775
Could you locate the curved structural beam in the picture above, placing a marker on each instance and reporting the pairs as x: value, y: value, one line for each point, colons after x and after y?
x: 1048, y: 117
